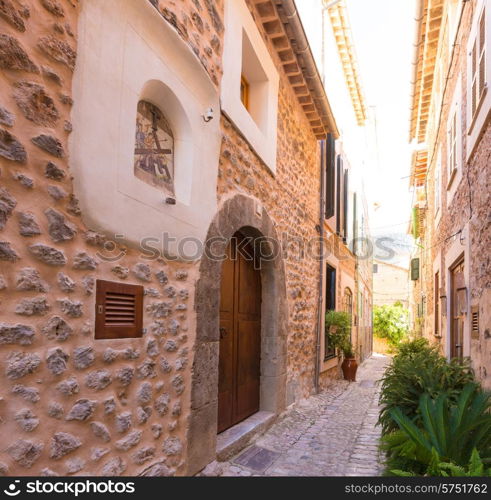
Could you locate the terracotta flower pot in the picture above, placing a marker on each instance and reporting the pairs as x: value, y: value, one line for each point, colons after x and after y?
x: 349, y: 367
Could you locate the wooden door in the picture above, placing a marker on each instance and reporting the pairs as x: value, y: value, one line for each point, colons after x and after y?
x: 457, y: 287
x: 240, y: 337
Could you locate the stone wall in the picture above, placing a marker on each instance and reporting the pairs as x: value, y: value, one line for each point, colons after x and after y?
x: 70, y: 405
x: 291, y: 197
x: 200, y: 24
x: 468, y: 211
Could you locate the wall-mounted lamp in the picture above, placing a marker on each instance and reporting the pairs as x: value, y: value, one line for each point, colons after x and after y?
x: 209, y: 115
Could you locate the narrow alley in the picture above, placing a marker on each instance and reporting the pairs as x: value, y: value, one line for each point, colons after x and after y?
x: 221, y: 223
x: 331, y: 434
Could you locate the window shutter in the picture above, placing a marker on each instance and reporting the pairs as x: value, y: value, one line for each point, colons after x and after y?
x: 355, y: 224
x: 345, y: 205
x: 452, y: 151
x: 482, y: 53
x: 119, y: 310
x: 415, y: 223
x: 330, y: 166
x: 474, y: 78
x: 478, y: 65
x: 415, y: 269
x: 438, y: 182
x: 339, y: 196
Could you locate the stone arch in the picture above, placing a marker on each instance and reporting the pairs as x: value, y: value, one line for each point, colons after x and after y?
x: 237, y: 213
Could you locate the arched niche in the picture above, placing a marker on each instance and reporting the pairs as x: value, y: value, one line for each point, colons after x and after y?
x: 107, y: 87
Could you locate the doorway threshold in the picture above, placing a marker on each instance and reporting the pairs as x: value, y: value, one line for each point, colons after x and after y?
x: 235, y: 439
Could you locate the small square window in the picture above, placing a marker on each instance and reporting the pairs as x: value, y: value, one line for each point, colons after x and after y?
x: 250, y: 84
x: 244, y: 92
x: 119, y: 310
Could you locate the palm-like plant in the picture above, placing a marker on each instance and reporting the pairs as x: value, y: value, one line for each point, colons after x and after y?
x: 475, y: 468
x: 449, y: 432
x: 418, y: 369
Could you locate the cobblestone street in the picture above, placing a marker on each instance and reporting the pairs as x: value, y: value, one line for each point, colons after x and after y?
x: 330, y: 434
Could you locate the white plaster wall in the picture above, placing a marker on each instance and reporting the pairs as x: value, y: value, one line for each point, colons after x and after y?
x: 125, y: 49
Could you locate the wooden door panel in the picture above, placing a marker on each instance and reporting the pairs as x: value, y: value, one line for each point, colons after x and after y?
x: 240, y: 340
x: 249, y: 288
x: 227, y: 286
x: 226, y: 365
x: 248, y: 369
x: 225, y: 375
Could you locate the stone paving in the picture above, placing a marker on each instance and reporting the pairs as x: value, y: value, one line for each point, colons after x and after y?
x: 330, y: 434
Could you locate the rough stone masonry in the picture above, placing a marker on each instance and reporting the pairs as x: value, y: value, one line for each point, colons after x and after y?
x: 70, y: 404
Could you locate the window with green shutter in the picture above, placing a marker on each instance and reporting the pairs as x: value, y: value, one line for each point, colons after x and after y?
x: 415, y: 269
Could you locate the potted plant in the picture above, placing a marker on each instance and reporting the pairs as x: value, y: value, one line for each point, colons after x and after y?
x: 338, y: 325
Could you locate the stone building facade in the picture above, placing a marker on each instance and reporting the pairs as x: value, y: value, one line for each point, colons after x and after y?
x: 73, y: 216
x: 451, y: 175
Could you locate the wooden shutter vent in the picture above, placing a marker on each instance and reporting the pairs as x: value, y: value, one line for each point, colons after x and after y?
x: 118, y: 310
x: 475, y: 322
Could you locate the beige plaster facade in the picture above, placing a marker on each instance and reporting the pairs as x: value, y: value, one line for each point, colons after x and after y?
x: 390, y: 284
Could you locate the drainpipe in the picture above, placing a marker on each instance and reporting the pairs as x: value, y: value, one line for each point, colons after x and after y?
x: 320, y: 321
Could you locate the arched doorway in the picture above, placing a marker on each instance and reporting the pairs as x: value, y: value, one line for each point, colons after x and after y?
x: 240, y: 334
x: 239, y: 213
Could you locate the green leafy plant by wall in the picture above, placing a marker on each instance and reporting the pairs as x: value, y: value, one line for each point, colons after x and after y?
x: 391, y: 322
x: 417, y: 369
x: 338, y: 326
x: 475, y: 468
x: 453, y: 437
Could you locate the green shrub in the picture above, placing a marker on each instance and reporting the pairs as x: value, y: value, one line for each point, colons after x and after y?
x: 391, y: 322
x: 410, y: 347
x: 338, y: 325
x: 452, y: 436
x: 475, y: 468
x: 415, y: 370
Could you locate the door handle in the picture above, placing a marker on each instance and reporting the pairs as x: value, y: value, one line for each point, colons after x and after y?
x: 223, y: 333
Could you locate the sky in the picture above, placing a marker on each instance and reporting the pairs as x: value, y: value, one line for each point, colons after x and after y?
x: 383, y: 36
x: 383, y: 32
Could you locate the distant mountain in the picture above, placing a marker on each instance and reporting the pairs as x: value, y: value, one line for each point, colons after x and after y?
x: 393, y: 247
